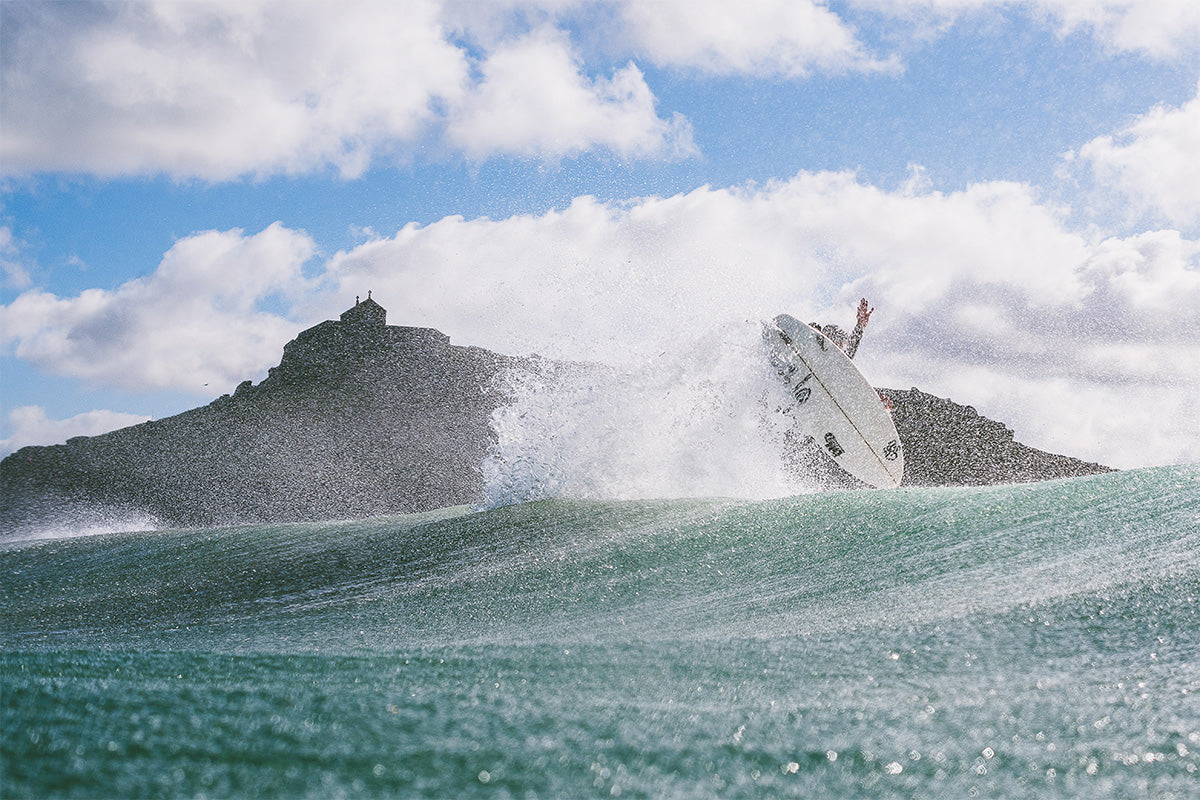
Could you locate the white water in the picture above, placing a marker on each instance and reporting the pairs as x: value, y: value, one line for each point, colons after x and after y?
x: 68, y: 522
x: 697, y: 420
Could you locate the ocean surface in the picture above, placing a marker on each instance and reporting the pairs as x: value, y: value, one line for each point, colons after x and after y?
x: 1025, y: 641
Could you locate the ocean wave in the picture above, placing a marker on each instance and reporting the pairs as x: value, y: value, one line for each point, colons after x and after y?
x: 589, y: 570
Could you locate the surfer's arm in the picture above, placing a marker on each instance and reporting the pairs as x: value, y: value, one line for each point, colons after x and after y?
x: 852, y: 342
x: 864, y: 315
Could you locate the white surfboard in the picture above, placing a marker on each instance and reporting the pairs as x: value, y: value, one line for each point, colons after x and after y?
x: 834, y: 404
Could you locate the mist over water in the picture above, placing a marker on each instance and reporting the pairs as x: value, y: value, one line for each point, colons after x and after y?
x: 63, y: 519
x: 699, y: 419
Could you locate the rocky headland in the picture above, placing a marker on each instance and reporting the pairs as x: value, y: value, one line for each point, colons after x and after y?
x: 361, y: 418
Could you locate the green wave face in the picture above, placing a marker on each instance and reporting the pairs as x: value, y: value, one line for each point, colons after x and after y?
x: 1035, y: 640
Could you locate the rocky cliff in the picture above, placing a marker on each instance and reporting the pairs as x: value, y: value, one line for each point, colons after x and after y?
x: 358, y: 419
x: 361, y: 418
x: 946, y: 444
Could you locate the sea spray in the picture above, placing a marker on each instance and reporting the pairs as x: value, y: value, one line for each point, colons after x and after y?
x: 62, y: 518
x: 699, y: 419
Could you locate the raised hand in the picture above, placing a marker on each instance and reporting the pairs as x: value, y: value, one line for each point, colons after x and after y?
x: 864, y: 313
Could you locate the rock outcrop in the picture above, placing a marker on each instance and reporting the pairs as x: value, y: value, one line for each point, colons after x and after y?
x: 361, y: 418
x: 947, y: 444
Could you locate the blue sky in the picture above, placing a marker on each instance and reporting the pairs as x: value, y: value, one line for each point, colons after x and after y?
x: 1014, y: 184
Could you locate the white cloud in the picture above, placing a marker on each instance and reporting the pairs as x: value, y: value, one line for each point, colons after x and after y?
x: 533, y: 100
x: 1158, y: 28
x: 220, y: 90
x: 596, y: 278
x: 987, y: 282
x: 1161, y: 28
x: 194, y: 322
x: 13, y: 275
x: 792, y: 38
x: 1154, y: 162
x: 788, y: 38
x: 30, y: 426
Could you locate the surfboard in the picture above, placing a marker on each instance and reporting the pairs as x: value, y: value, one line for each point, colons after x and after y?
x: 834, y: 404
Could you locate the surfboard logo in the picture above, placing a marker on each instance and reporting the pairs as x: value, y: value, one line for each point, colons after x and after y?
x: 800, y: 392
x: 891, y: 451
x: 831, y: 444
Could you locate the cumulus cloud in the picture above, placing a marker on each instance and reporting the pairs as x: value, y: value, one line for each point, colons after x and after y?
x: 1153, y: 162
x: 533, y: 100
x: 985, y: 295
x: 636, y: 272
x: 196, y: 321
x: 791, y: 38
x: 987, y: 282
x: 220, y: 90
x: 1158, y: 28
x: 31, y: 426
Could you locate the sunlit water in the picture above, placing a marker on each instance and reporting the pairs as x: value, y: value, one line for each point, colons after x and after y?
x: 1029, y: 641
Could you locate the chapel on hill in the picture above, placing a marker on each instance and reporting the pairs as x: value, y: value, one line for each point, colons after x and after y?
x: 359, y: 330
x: 365, y: 312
